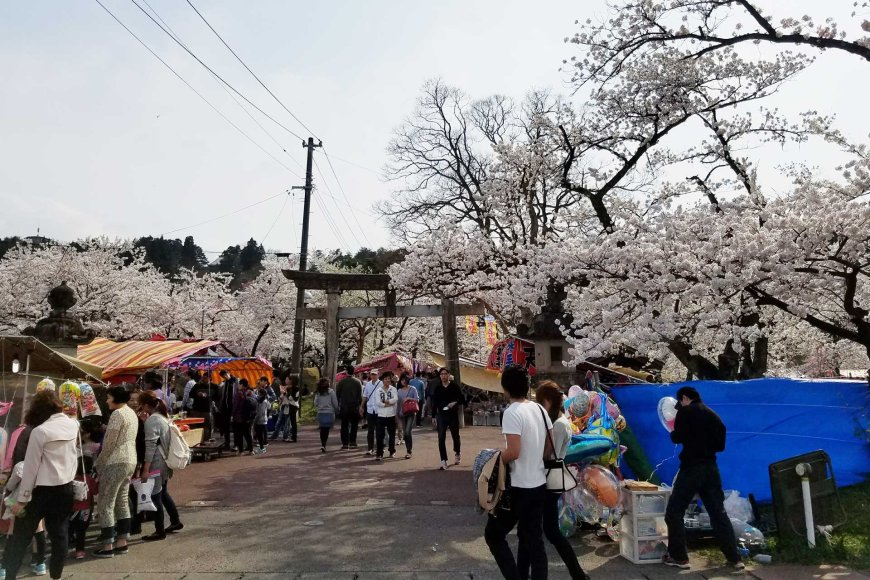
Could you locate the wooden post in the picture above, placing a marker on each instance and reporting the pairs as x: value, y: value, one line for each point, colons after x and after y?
x: 451, y: 346
x: 333, y: 297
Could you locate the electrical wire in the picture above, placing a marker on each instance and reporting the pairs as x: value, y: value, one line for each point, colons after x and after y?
x: 227, y: 91
x: 191, y: 87
x: 208, y: 68
x: 344, y: 194
x: 337, y: 206
x: 271, y: 197
x: 297, y: 119
x: 262, y: 84
x: 275, y: 221
x: 336, y: 231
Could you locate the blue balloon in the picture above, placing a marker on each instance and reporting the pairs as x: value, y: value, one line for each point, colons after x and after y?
x: 583, y: 447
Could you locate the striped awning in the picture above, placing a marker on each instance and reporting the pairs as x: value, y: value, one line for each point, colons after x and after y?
x: 135, y: 356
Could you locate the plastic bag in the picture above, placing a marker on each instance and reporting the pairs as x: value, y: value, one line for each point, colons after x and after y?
x: 738, y: 507
x: 143, y: 495
x: 747, y: 535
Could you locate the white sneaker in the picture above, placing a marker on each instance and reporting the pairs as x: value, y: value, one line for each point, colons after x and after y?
x: 443, y: 466
x: 457, y: 458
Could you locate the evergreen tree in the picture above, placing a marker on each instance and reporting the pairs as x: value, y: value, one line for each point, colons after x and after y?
x: 251, y: 256
x: 192, y: 256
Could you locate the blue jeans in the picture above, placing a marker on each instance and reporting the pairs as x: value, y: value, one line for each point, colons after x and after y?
x: 282, y: 424
x: 408, y: 422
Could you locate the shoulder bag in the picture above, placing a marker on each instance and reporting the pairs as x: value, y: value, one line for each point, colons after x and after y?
x: 559, y: 477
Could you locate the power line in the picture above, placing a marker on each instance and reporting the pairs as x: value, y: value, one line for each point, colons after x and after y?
x: 298, y: 120
x: 191, y: 87
x: 337, y: 206
x: 224, y: 215
x: 336, y: 231
x: 226, y: 90
x: 208, y: 68
x: 275, y: 221
x: 262, y: 84
x: 343, y: 193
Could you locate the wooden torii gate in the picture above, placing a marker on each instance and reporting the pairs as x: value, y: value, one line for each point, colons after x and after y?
x: 334, y: 284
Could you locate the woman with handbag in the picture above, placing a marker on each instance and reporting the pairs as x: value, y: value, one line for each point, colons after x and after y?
x: 46, y: 490
x: 409, y: 405
x: 154, y: 462
x: 549, y: 395
x: 326, y: 404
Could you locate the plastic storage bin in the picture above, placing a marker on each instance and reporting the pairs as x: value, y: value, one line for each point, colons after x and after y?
x: 644, y: 527
x: 642, y: 551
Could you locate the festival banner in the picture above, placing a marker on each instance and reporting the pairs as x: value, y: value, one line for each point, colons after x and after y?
x: 471, y: 324
x: 491, y: 331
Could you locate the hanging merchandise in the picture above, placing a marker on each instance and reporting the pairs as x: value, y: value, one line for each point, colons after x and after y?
x: 69, y: 397
x: 88, y: 401
x: 45, y: 383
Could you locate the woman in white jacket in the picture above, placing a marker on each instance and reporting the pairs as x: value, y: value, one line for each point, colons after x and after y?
x: 46, y: 489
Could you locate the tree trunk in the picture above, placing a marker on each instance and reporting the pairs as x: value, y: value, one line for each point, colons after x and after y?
x: 257, y: 342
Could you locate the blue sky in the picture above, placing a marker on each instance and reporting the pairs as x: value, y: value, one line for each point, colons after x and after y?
x: 98, y: 138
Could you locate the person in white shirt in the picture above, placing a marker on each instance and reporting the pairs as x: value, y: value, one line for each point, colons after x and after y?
x: 525, y: 427
x: 386, y: 398
x: 186, y: 400
x: 46, y: 489
x: 371, y: 411
x: 549, y: 395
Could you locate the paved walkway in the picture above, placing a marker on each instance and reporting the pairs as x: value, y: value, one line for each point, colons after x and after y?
x: 295, y: 513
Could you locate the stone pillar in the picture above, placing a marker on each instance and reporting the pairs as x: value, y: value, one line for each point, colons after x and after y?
x: 333, y: 298
x: 451, y: 346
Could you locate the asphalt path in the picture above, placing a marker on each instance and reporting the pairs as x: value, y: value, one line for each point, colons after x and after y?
x: 299, y: 514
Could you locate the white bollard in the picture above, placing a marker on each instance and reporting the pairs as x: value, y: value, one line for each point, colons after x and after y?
x: 804, y: 470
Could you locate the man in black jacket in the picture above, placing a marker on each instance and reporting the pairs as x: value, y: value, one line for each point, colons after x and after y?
x: 349, y: 394
x: 227, y: 395
x: 446, y: 399
x: 702, y: 434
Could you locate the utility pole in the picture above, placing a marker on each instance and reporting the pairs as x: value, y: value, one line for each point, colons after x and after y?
x: 296, y: 357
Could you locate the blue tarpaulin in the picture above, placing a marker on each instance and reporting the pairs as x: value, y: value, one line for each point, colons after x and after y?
x: 767, y: 420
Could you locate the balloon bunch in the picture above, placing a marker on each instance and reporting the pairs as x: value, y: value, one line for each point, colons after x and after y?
x: 596, y: 422
x: 596, y: 498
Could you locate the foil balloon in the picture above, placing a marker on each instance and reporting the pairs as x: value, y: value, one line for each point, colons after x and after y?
x: 585, y: 447
x: 587, y: 508
x: 69, y: 396
x: 578, y: 406
x: 621, y: 423
x: 567, y: 519
x: 89, y: 401
x: 45, y: 384
x: 602, y: 484
x: 610, y: 405
x: 668, y: 412
x: 574, y: 391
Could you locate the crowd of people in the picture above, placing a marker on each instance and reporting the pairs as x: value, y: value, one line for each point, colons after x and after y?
x: 65, y: 473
